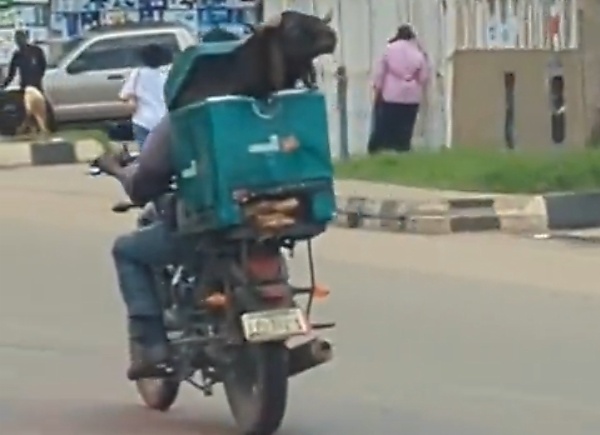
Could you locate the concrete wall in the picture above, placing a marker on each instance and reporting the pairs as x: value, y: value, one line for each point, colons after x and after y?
x: 582, y: 75
x: 478, y: 109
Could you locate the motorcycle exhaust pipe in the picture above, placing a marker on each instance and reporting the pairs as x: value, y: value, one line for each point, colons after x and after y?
x: 308, y: 355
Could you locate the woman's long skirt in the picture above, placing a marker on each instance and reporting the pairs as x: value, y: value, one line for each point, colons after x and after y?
x: 394, y: 126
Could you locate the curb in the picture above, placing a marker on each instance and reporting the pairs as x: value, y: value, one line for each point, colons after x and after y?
x: 517, y: 214
x: 587, y: 239
x: 510, y: 214
x: 54, y: 152
x: 573, y: 210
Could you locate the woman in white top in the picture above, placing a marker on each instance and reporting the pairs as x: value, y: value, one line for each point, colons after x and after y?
x: 143, y: 89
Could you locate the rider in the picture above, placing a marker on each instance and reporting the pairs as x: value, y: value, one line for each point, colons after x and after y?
x: 137, y: 253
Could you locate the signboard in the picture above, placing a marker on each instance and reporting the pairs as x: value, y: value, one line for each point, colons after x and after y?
x: 29, y: 15
x: 71, y: 18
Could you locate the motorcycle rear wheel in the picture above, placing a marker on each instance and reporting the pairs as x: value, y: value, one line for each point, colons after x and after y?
x: 256, y: 387
x: 158, y: 394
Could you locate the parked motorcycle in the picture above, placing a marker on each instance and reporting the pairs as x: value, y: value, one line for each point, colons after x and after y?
x: 231, y: 314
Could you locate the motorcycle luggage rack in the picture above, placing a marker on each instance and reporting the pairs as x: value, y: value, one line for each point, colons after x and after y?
x: 243, y: 196
x: 300, y: 232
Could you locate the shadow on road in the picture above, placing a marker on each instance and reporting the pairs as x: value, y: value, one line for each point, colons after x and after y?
x: 70, y: 418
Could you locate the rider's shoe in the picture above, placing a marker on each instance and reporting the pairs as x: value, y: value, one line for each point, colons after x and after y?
x: 149, y: 349
x: 150, y: 362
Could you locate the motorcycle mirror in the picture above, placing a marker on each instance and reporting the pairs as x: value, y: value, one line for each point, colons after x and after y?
x: 122, y: 206
x: 94, y: 170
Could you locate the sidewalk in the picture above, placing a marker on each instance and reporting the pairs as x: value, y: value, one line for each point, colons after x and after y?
x: 346, y: 188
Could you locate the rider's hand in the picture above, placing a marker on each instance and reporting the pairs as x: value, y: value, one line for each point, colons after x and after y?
x: 109, y: 163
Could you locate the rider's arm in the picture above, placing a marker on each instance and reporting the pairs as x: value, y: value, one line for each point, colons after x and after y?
x: 42, y: 61
x: 150, y: 177
x: 12, y: 69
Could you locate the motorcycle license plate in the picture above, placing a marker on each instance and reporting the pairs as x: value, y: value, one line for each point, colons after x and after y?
x: 272, y: 325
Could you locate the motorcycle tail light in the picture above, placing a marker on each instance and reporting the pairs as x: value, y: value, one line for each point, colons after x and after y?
x: 320, y: 292
x: 216, y: 300
x: 264, y: 267
x: 265, y: 270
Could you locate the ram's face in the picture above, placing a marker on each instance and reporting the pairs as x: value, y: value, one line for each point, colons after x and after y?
x: 303, y: 36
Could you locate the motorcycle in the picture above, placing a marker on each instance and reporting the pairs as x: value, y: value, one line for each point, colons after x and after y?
x: 232, y: 316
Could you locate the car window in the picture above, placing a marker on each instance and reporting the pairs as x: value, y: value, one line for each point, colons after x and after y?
x: 121, y: 52
x: 60, y: 50
x: 165, y: 40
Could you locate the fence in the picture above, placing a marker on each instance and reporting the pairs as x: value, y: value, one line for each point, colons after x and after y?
x: 443, y: 26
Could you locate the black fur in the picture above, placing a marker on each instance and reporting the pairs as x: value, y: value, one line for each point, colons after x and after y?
x: 276, y: 56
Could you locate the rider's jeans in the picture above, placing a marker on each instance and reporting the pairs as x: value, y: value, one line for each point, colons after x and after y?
x: 139, y: 134
x: 135, y: 254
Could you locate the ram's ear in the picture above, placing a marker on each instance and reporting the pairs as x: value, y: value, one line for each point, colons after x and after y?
x: 328, y: 17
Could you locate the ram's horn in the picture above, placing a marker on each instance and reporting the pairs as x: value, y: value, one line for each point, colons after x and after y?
x: 273, y: 21
x: 328, y: 17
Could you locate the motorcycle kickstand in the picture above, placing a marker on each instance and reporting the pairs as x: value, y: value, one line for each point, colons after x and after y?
x: 206, y: 385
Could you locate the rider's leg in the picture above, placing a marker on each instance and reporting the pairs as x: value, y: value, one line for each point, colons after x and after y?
x: 135, y: 254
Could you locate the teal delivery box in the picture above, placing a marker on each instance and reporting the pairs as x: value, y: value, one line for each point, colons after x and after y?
x: 227, y: 148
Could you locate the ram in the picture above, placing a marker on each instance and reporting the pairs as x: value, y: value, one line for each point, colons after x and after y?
x: 277, y: 54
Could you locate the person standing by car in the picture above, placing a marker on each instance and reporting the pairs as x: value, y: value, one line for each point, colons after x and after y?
x: 29, y: 60
x: 399, y: 81
x: 143, y: 90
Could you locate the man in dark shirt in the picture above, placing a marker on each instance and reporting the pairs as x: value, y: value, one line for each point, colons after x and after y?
x: 137, y: 253
x: 29, y: 60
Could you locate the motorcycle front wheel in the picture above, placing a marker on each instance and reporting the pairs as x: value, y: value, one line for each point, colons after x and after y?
x: 256, y: 386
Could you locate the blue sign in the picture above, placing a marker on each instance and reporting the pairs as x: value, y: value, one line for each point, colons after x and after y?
x: 71, y: 18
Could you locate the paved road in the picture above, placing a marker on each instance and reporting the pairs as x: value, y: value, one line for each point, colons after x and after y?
x: 469, y: 335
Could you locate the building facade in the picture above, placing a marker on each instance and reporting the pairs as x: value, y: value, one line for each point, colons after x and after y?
x: 67, y: 19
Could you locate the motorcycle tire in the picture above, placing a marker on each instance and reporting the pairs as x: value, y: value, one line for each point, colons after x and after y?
x: 256, y: 387
x: 157, y: 394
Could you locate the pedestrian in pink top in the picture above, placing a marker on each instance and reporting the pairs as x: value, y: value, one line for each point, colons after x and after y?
x: 398, y: 83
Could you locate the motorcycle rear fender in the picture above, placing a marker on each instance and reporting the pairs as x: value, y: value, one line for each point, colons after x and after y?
x: 268, y: 290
